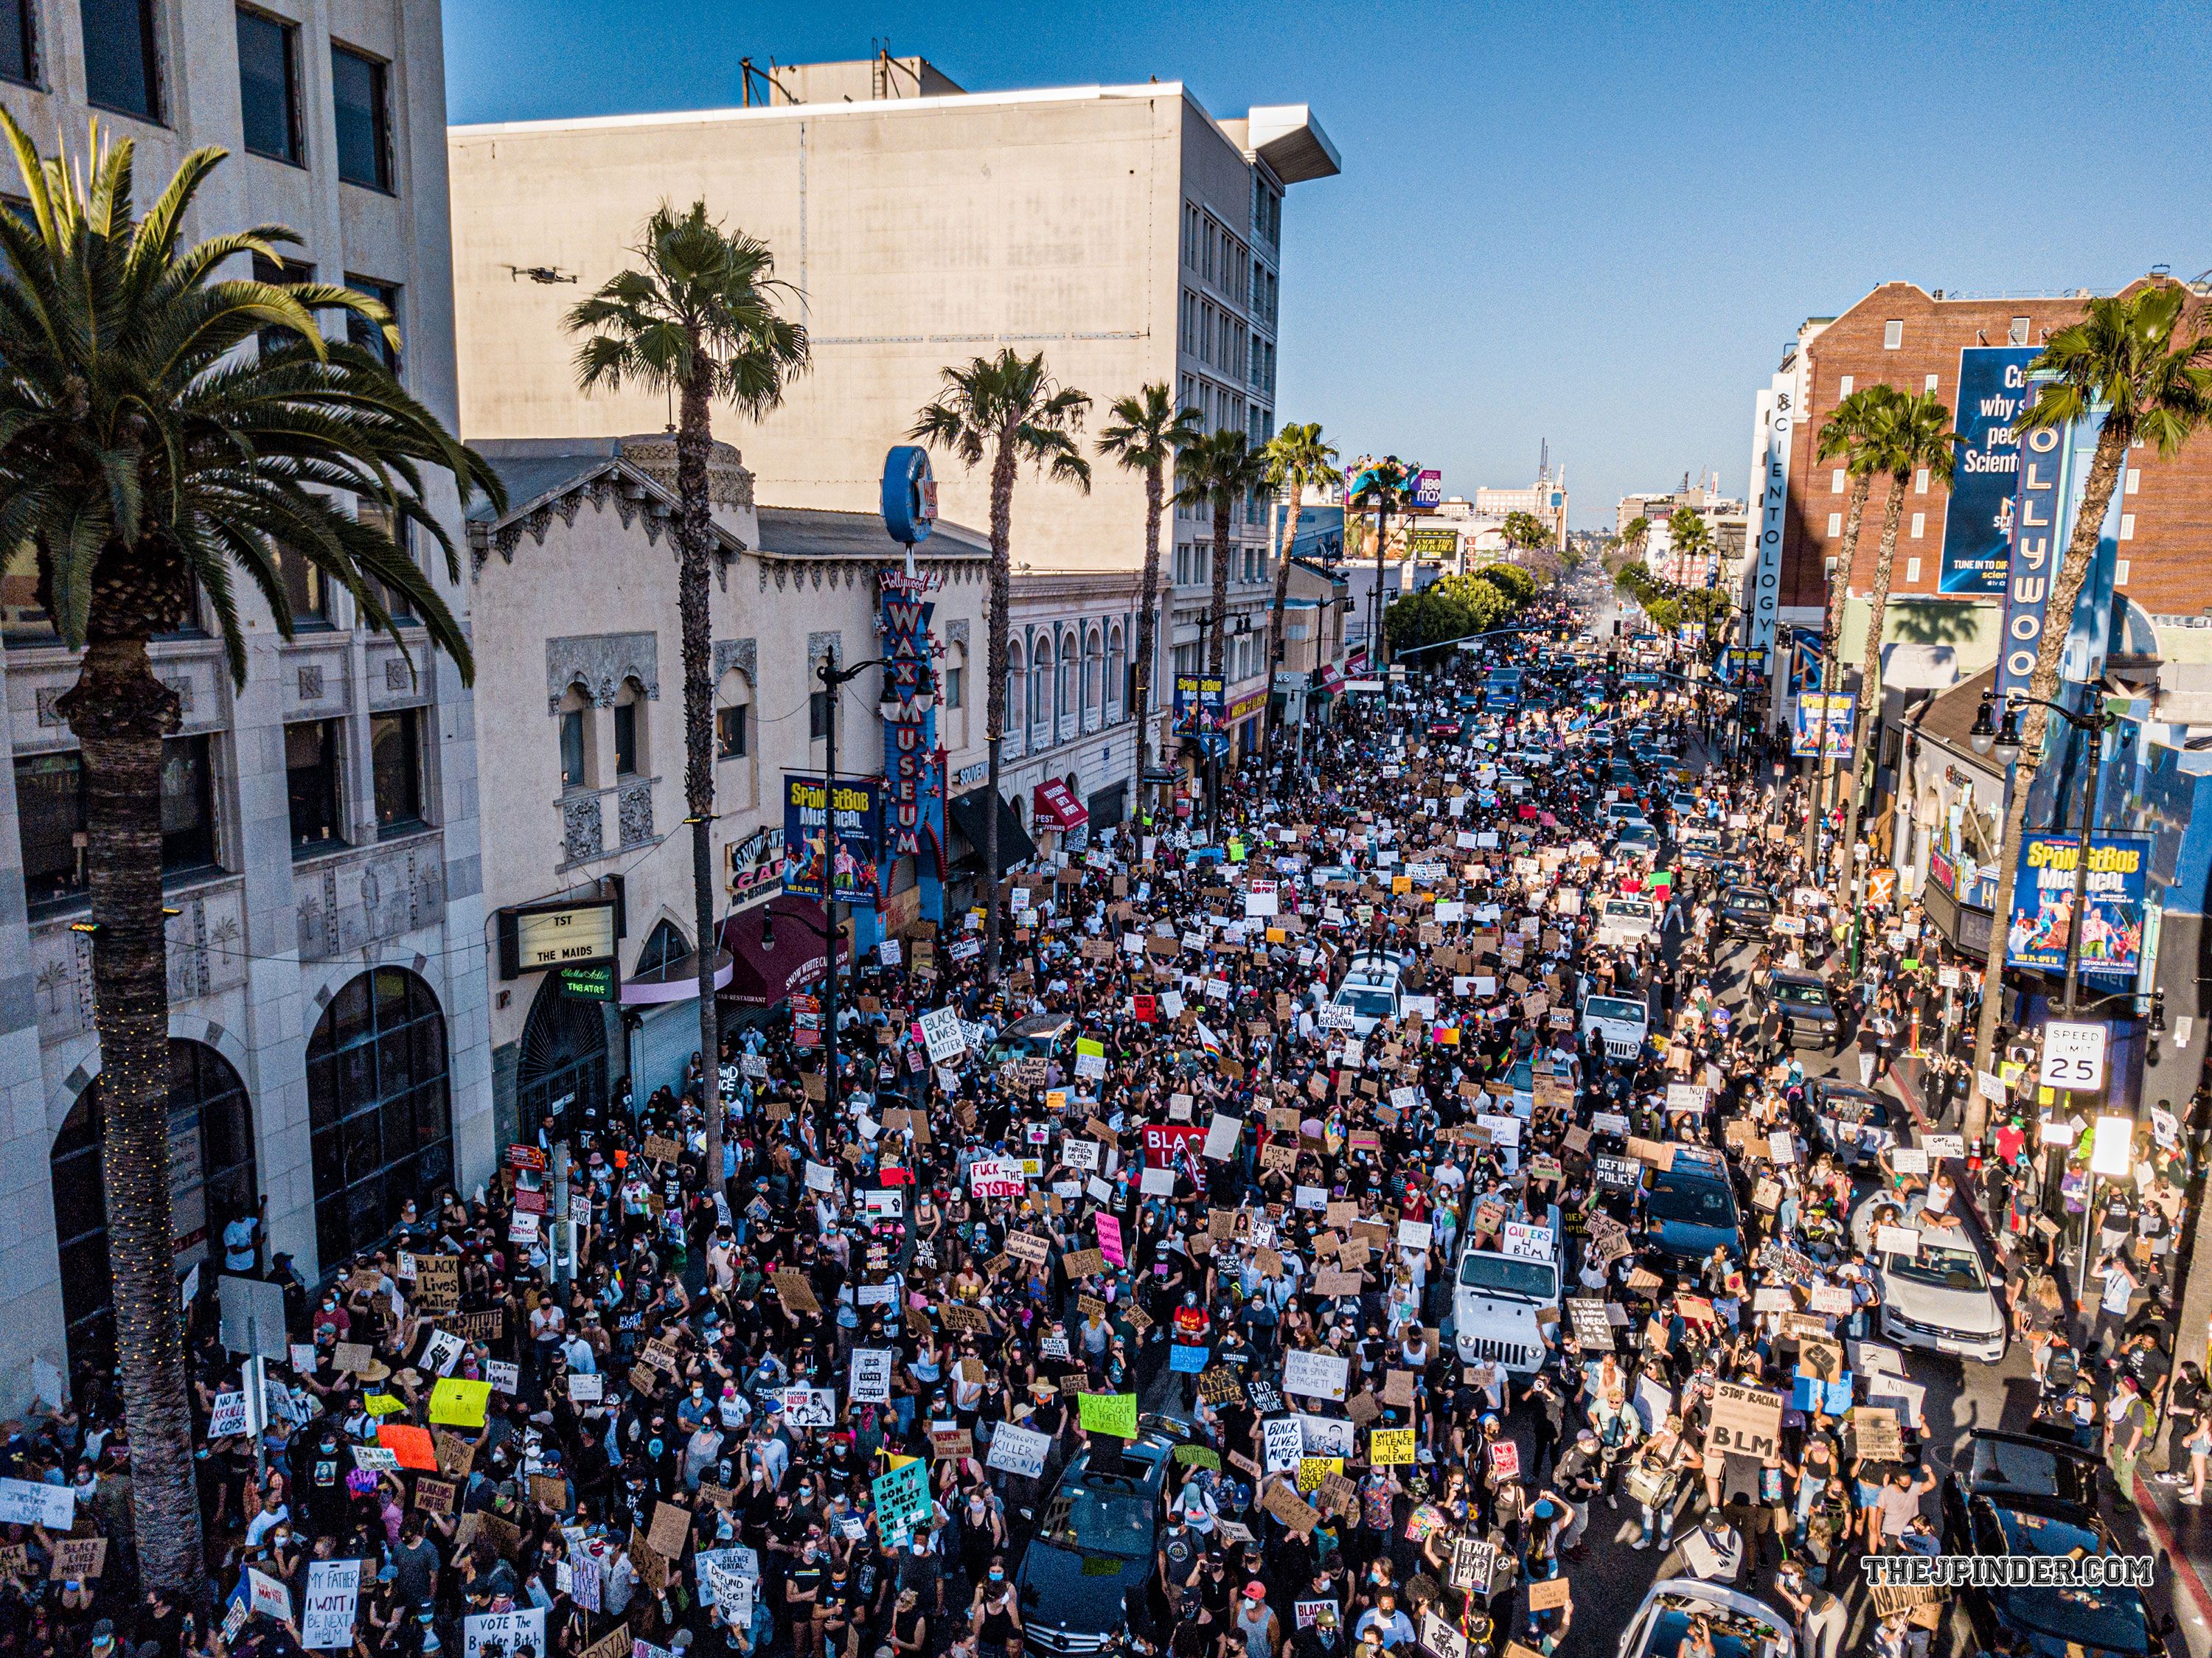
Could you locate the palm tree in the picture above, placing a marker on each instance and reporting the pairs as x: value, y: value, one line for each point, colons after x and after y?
x: 1688, y: 537
x: 1915, y: 436
x: 1010, y: 408
x: 1380, y: 487
x: 698, y: 319
x: 2125, y: 358
x: 1848, y: 436
x: 1296, y: 456
x: 149, y: 452
x: 1634, y: 535
x: 1217, y: 471
x: 1148, y: 432
x: 1524, y: 533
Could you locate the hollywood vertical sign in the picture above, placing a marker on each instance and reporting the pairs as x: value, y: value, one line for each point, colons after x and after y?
x: 913, y: 764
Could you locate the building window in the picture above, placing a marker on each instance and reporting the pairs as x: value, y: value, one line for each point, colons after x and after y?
x: 268, y: 86
x: 731, y: 738
x: 395, y: 752
x: 626, y: 732
x: 211, y: 1183
x: 19, y: 42
x: 817, y: 716
x: 187, y: 805
x: 1892, y: 334
x: 307, y: 590
x: 2134, y: 481
x: 364, y: 122
x: 266, y: 269
x: 1911, y: 571
x: 1017, y: 710
x: 2119, y: 573
x: 122, y: 62
x: 379, y: 1117
x: 954, y: 696
x: 2127, y: 526
x: 1835, y: 523
x: 1919, y: 525
x: 573, y: 775
x: 1118, y: 696
x: 1920, y: 481
x: 51, y: 817
x: 313, y: 766
x: 2016, y: 333
x: 1844, y: 386
x: 1835, y: 482
x: 370, y: 336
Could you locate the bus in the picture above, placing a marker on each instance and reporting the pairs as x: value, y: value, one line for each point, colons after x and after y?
x: 1501, y: 688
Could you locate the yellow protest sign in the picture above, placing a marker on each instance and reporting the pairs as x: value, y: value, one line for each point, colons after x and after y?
x: 1312, y: 1470
x: 382, y: 1404
x: 1390, y: 1446
x: 458, y: 1403
x: 1108, y: 1413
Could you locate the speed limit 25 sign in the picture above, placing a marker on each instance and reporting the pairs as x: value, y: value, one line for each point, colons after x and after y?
x: 2073, y: 1056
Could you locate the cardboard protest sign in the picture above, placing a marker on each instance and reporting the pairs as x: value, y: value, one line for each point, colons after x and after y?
x: 1746, y: 1420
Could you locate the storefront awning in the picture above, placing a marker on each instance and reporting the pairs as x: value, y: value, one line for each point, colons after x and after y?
x: 1054, y: 807
x: 678, y: 981
x: 797, y: 957
x: 1332, y: 680
x: 966, y: 812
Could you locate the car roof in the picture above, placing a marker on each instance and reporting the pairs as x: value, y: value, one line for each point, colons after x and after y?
x: 1814, y: 980
x: 1718, y: 1594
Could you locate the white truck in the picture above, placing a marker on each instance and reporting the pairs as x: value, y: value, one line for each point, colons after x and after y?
x: 1625, y: 921
x: 1502, y: 1303
x: 1621, y: 1022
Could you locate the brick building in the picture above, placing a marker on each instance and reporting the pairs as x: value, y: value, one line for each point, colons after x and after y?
x: 1910, y: 338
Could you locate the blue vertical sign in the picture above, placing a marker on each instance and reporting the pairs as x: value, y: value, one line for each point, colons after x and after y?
x: 913, y: 765
x: 2036, y: 549
x: 1993, y: 390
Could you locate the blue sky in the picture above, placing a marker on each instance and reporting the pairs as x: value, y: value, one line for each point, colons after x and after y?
x: 1593, y: 224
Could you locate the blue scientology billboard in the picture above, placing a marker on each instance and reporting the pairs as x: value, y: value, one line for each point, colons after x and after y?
x: 1993, y: 390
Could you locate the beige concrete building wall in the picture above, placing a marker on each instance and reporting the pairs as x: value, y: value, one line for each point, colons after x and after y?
x: 916, y: 233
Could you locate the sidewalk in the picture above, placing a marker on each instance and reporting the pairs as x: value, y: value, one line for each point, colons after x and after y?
x: 2180, y: 1534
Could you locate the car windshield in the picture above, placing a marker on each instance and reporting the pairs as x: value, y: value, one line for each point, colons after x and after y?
x: 1750, y: 898
x: 2029, y: 1469
x: 1626, y: 909
x: 1106, y: 1522
x: 1696, y: 1203
x: 1735, y: 1635
x: 1530, y: 1280
x: 1943, y: 1268
x: 1613, y: 1007
x: 1366, y: 1001
x: 1799, y: 995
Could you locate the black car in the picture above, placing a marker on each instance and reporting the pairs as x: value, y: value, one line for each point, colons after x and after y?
x: 1747, y: 912
x: 2014, y: 1494
x: 1087, y: 1575
x: 1808, y: 1017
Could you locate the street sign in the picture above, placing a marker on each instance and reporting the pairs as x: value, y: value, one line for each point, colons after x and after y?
x: 2074, y: 1057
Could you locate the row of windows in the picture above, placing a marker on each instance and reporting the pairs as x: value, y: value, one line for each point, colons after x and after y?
x: 122, y: 68
x: 1247, y: 653
x: 1267, y: 303
x: 1215, y: 337
x: 1267, y: 211
x: 1221, y: 409
x: 50, y: 800
x: 1212, y: 250
x: 1193, y: 564
x: 1056, y: 692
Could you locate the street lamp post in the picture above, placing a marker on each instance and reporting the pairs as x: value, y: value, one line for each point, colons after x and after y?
x: 834, y: 679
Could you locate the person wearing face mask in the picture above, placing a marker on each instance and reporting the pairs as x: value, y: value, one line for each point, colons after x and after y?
x: 992, y: 1618
x: 1322, y: 1638
x: 802, y: 1596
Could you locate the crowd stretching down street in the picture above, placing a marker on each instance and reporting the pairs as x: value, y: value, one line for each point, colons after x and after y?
x: 1421, y: 1213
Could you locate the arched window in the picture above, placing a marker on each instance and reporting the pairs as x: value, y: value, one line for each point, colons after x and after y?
x: 1040, y: 692
x: 211, y: 1183
x: 378, y: 1114
x: 1117, y: 673
x: 630, y: 733
x: 1063, y: 696
x: 1094, y: 669
x: 1016, y: 717
x: 664, y: 947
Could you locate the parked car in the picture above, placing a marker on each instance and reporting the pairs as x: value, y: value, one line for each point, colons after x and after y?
x: 1808, y: 1017
x: 1087, y: 1573
x: 1743, y: 1625
x: 1936, y: 1297
x: 2013, y: 1494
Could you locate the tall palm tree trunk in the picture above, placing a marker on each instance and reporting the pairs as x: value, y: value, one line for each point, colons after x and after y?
x: 1832, y: 637
x: 1147, y: 629
x: 694, y: 536
x: 1278, y: 546
x: 1002, y: 516
x: 2058, y: 621
x: 1868, y: 724
x: 120, y: 713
